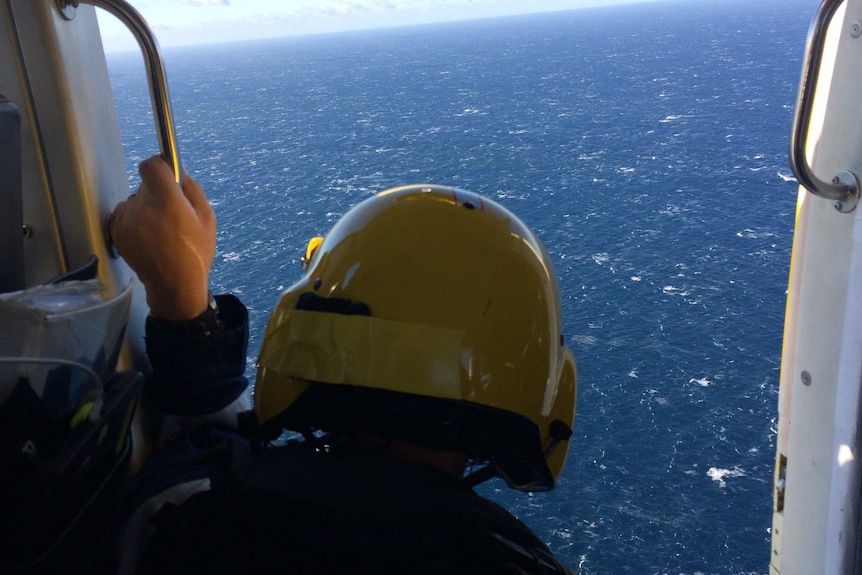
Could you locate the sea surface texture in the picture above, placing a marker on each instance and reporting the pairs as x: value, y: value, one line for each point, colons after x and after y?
x: 647, y: 146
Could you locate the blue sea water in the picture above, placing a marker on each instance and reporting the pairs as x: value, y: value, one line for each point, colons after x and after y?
x: 646, y: 144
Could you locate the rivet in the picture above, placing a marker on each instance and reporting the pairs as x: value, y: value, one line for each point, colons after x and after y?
x: 28, y: 231
x: 68, y: 8
x: 806, y: 378
x: 856, y: 29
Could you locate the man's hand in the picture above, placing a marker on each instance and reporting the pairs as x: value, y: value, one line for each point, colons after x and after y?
x: 168, y: 236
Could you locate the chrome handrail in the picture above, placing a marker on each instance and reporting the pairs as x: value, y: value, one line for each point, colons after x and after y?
x: 156, y: 77
x: 844, y: 186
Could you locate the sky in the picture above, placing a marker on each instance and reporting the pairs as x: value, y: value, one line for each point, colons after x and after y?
x: 189, y: 22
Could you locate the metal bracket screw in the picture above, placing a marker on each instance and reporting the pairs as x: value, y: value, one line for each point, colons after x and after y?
x: 68, y: 8
x: 847, y: 181
x: 806, y: 378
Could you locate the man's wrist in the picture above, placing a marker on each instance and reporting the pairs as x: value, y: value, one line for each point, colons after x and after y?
x: 180, y: 303
x: 203, y: 324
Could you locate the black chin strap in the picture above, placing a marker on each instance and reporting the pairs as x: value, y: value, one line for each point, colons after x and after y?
x: 558, y: 431
x: 480, y: 476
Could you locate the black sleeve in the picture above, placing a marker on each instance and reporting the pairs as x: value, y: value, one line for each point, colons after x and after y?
x: 194, y: 373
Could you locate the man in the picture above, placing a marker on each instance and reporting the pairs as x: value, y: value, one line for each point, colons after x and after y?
x: 420, y: 354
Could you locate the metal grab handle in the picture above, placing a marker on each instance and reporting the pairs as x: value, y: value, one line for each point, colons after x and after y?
x: 156, y: 77
x: 844, y: 186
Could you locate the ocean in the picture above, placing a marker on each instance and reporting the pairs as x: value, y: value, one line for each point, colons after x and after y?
x: 647, y: 146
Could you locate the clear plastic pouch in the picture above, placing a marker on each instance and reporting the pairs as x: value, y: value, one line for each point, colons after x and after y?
x: 64, y: 420
x: 63, y: 339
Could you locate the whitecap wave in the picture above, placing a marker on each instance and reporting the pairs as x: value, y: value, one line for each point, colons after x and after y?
x: 584, y: 339
x: 593, y: 155
x: 754, y: 234
x: 719, y: 474
x: 671, y: 290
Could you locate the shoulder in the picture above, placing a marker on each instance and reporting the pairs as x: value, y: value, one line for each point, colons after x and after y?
x: 294, y: 510
x: 175, y: 473
x: 509, y: 546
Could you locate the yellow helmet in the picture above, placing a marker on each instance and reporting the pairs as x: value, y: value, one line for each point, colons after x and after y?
x: 432, y: 315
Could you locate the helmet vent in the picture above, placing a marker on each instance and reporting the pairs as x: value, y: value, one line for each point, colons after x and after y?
x: 469, y: 205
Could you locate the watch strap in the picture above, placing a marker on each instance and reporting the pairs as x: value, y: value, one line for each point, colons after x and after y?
x: 200, y: 326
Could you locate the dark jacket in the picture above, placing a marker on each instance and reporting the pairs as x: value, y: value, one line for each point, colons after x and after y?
x: 207, y: 503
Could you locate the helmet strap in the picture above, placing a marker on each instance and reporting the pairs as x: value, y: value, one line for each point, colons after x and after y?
x: 480, y: 476
x: 559, y: 432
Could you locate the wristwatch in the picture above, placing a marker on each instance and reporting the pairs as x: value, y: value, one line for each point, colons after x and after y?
x: 202, y: 325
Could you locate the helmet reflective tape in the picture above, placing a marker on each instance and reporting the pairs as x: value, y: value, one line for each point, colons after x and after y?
x: 365, y: 351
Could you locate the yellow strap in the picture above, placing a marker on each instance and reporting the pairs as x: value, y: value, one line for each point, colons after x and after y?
x: 81, y: 415
x: 366, y: 351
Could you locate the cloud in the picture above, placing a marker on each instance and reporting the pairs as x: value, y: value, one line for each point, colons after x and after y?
x: 205, y: 2
x: 345, y: 8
